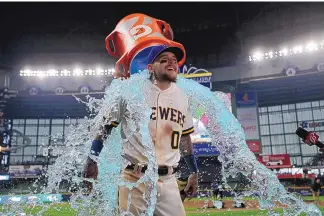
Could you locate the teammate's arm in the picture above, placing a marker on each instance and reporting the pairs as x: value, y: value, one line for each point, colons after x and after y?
x: 97, y: 143
x: 186, y: 148
x: 110, y: 120
x: 90, y: 170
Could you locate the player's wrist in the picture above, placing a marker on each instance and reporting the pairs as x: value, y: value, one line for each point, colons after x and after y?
x: 96, y: 147
x: 192, y: 164
x: 92, y: 159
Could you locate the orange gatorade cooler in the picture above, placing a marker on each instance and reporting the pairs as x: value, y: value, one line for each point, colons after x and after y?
x: 134, y: 37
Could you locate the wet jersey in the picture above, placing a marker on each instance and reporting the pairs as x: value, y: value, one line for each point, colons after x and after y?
x: 169, y: 120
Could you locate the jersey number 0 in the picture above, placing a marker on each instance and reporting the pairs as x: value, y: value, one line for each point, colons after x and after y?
x: 175, y: 139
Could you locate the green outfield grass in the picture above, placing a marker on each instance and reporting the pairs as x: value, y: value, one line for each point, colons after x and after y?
x: 64, y: 209
x: 239, y: 213
x: 251, y: 198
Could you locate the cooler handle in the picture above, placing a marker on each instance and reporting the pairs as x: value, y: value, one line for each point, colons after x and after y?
x: 165, y: 29
x: 107, y: 40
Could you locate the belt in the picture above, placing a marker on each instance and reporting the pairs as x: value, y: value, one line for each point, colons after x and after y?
x: 162, y: 170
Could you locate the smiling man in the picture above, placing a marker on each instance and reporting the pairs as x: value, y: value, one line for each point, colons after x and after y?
x: 170, y: 127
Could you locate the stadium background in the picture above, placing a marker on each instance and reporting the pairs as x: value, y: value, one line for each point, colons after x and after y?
x: 288, y: 88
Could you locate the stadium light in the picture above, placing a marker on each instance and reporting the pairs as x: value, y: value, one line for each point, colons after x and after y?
x: 285, y: 52
x: 67, y: 73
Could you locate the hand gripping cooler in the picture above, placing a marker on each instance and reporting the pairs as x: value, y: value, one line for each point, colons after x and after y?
x: 132, y: 40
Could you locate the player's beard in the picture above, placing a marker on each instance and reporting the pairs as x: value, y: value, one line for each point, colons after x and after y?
x: 165, y: 77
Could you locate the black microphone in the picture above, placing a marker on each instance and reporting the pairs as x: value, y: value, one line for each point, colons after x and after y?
x: 302, y: 133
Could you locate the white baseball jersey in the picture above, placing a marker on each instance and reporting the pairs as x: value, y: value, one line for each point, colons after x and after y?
x: 170, y: 119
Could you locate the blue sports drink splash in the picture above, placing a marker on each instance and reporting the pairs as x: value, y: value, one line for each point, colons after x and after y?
x: 223, y: 128
x: 227, y: 135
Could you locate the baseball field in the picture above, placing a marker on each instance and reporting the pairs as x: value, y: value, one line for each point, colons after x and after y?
x: 194, y: 207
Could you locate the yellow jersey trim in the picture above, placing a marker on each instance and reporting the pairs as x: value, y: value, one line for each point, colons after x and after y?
x: 114, y: 123
x: 188, y: 131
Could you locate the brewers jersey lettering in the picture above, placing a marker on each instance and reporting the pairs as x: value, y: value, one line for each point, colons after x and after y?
x: 170, y: 119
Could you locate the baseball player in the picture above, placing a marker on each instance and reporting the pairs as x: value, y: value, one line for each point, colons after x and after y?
x: 170, y: 127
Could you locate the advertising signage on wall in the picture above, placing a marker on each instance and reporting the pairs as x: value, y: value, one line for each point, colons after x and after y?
x: 205, y: 149
x: 246, y: 99
x: 20, y: 171
x: 247, y: 115
x: 305, y: 124
x: 275, y: 161
x: 28, y: 199
x: 202, y: 76
x: 254, y: 145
